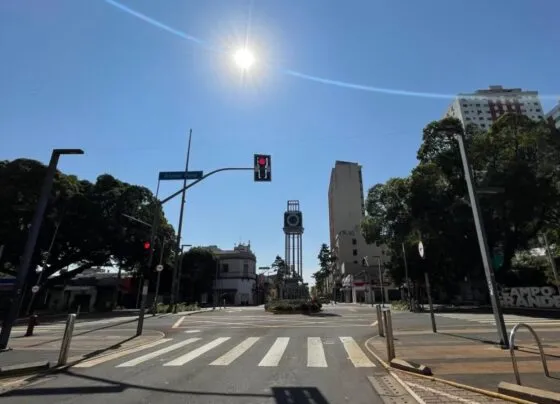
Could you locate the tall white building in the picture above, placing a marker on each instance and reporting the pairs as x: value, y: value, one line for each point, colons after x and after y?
x: 554, y: 115
x: 346, y: 212
x: 483, y: 107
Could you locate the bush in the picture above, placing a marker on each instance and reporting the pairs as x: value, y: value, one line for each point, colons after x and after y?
x: 400, y: 305
x: 293, y: 306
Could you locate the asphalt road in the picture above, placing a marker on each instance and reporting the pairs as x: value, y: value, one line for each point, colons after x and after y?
x: 237, y: 355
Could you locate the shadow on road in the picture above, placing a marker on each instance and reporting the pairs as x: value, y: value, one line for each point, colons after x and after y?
x: 81, y: 333
x: 282, y: 395
x: 321, y: 314
x: 470, y: 338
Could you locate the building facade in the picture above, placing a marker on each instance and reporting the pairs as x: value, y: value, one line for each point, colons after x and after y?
x: 237, y: 278
x: 484, y: 107
x: 346, y: 212
x: 553, y: 116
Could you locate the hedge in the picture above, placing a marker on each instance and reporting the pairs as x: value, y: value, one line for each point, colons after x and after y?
x: 293, y: 306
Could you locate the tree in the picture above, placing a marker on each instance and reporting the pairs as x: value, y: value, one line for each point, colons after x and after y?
x: 92, y: 230
x: 517, y: 156
x: 326, y: 259
x: 198, y: 272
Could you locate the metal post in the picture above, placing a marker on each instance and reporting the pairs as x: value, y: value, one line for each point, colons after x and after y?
x: 65, y: 346
x: 370, y: 290
x: 408, y: 290
x: 176, y: 270
x: 389, y: 335
x: 379, y: 320
x: 31, y: 325
x: 552, y: 262
x: 140, y: 326
x: 483, y: 244
x: 429, y: 293
x: 381, y: 282
x: 15, y: 303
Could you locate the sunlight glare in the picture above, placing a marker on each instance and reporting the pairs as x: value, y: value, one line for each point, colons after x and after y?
x: 244, y: 59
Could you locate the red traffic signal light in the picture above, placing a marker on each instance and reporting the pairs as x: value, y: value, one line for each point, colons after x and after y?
x: 147, y: 245
x: 262, y: 167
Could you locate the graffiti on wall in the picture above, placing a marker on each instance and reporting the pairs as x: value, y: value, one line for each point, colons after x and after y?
x: 544, y: 297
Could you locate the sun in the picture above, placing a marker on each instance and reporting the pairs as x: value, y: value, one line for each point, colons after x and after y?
x: 244, y: 59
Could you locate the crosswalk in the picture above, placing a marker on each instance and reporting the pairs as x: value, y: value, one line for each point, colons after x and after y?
x: 263, y: 352
x: 60, y: 325
x: 509, y: 319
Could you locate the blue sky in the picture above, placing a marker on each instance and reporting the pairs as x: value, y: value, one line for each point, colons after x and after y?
x: 86, y: 74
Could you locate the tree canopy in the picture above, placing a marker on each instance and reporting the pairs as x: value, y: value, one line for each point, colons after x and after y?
x: 198, y: 269
x: 515, y: 167
x: 326, y: 260
x: 84, y: 221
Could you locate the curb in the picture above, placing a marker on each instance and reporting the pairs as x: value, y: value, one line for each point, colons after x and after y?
x: 46, y: 370
x: 487, y: 393
x: 529, y: 393
x: 23, y: 369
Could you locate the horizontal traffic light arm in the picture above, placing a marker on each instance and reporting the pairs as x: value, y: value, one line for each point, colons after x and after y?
x: 203, y: 178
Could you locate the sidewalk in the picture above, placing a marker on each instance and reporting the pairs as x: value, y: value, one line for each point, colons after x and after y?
x: 45, y: 346
x: 470, y: 358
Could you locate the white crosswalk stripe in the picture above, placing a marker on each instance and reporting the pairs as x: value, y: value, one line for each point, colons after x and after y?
x: 509, y: 319
x: 274, y: 354
x: 315, y: 353
x: 274, y: 350
x: 157, y: 353
x: 181, y: 360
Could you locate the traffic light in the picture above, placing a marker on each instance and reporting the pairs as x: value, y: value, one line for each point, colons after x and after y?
x: 147, y: 245
x: 262, y: 168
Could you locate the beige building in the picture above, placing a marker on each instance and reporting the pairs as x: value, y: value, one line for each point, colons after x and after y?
x: 483, y: 107
x: 346, y: 212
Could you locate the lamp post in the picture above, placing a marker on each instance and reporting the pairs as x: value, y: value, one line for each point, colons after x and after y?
x: 13, y: 311
x: 482, y: 241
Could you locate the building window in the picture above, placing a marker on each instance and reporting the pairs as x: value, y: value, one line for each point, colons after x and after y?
x: 225, y: 267
x: 355, y: 262
x: 354, y: 252
x: 246, y: 270
x: 354, y: 241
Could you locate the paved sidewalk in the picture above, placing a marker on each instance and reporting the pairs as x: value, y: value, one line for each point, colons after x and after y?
x: 46, y: 346
x: 469, y: 357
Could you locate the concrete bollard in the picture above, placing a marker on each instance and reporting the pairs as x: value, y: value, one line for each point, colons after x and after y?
x: 31, y: 323
x: 379, y: 320
x: 65, y: 345
x: 389, y: 335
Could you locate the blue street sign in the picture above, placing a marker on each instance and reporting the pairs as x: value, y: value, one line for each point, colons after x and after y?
x: 180, y: 175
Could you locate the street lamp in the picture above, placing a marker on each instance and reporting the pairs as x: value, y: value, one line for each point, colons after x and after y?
x: 482, y: 241
x: 13, y: 311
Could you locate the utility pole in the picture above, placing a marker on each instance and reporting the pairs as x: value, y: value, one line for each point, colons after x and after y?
x: 176, y: 270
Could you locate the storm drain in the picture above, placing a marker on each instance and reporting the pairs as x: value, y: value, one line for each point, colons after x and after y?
x: 390, y: 391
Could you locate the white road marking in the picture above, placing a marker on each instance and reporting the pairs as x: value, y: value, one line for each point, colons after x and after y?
x: 274, y: 354
x: 116, y: 355
x: 235, y: 353
x: 178, y: 322
x: 181, y: 360
x: 374, y: 324
x: 157, y: 353
x: 191, y: 331
x: 355, y: 353
x: 442, y: 393
x: 315, y: 353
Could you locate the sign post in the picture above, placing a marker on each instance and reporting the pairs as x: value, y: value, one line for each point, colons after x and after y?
x: 428, y: 288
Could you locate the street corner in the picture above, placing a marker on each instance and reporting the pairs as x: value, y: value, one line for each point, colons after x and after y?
x: 432, y: 390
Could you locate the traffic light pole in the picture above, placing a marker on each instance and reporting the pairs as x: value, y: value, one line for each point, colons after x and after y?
x: 176, y: 273
x: 155, y: 228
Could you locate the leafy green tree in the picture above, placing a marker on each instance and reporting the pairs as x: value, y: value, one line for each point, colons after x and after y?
x: 517, y: 156
x: 326, y: 259
x: 198, y: 272
x: 92, y: 230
